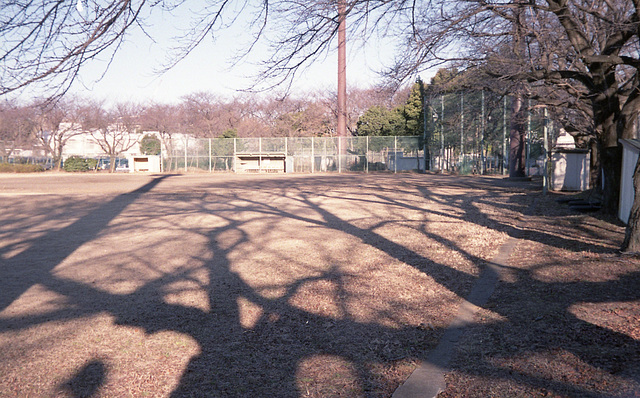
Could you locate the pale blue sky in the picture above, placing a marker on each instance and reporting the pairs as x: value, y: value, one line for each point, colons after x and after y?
x: 131, y: 75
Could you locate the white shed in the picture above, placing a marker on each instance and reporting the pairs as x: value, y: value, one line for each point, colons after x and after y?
x: 570, y: 166
x: 570, y: 170
x: 630, y: 151
x: 144, y: 163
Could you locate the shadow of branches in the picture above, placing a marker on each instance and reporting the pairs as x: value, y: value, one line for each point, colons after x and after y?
x: 296, y: 286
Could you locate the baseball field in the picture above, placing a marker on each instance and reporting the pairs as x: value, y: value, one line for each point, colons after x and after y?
x: 118, y: 285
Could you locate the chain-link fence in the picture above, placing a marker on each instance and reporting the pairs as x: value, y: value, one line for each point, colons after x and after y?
x: 466, y: 133
x: 293, y: 154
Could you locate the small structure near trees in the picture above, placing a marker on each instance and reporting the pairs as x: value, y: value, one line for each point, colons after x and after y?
x: 149, y: 161
x: 570, y: 165
x: 144, y: 163
x: 630, y: 152
x: 260, y: 162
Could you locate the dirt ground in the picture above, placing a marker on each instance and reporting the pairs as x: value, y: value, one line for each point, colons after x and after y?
x: 305, y: 285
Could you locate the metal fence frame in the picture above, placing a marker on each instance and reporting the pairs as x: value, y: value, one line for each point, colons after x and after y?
x: 303, y: 154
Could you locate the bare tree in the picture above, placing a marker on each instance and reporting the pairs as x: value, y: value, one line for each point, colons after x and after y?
x: 583, y: 49
x: 114, y: 131
x: 250, y: 121
x: 49, y: 41
x: 303, y: 118
x: 56, y: 123
x: 310, y: 114
x: 17, y: 128
x: 165, y: 120
x: 200, y: 113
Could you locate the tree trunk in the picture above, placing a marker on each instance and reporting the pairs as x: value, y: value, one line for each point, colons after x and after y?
x: 595, y: 165
x: 56, y: 153
x: 112, y: 164
x: 57, y: 157
x: 608, y: 127
x: 611, y: 167
x: 517, y: 141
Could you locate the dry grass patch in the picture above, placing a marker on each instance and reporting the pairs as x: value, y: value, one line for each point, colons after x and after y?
x: 563, y: 321
x: 288, y: 286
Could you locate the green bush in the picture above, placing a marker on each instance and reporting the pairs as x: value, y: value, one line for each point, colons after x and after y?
x: 77, y: 163
x: 20, y: 168
x: 150, y: 145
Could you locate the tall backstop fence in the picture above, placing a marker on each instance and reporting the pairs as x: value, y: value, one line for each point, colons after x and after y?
x: 464, y: 132
x: 293, y: 154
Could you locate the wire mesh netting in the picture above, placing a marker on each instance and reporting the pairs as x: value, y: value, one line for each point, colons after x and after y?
x: 298, y: 154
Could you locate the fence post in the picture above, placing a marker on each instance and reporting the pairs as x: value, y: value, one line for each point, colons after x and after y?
x: 545, y: 178
x: 366, y: 156
x: 528, y: 139
x: 424, y: 130
x: 482, y: 165
x: 505, y: 155
x: 186, y: 144
x: 441, y: 133
x: 395, y: 153
x: 259, y: 154
x: 235, y: 150
x: 324, y: 152
x: 162, y: 156
x: 339, y: 154
x: 461, y: 130
x: 313, y: 156
x: 210, y: 155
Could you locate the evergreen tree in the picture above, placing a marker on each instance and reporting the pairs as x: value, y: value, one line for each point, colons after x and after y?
x: 406, y: 119
x: 379, y: 121
x: 412, y: 112
x: 150, y: 145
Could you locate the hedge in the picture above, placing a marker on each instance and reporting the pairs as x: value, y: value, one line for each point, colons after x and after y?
x: 20, y: 168
x: 77, y: 163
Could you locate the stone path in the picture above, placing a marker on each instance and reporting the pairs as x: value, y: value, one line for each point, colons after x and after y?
x: 428, y: 378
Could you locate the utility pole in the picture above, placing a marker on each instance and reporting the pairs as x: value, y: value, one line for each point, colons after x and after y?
x: 342, y: 69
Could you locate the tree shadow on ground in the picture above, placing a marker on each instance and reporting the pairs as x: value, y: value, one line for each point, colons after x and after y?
x: 87, y: 381
x: 541, y: 347
x: 266, y: 358
x: 34, y: 265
